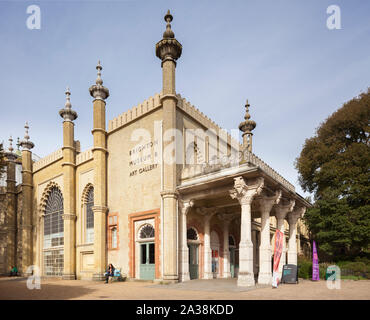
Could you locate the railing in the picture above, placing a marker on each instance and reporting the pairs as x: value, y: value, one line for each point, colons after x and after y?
x: 234, y: 161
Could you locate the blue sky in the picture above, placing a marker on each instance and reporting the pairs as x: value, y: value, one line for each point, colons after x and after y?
x: 278, y: 54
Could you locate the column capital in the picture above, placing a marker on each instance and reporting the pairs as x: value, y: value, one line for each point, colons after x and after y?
x: 185, y: 206
x: 169, y: 194
x: 245, y: 193
x: 97, y: 209
x: 282, y: 210
x: 297, y: 213
x: 266, y: 203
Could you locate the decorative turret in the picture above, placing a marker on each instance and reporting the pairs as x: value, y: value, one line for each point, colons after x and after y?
x: 27, y: 185
x: 99, y: 150
x: 98, y: 91
x: 168, y: 48
x: 10, y: 155
x: 26, y: 143
x: 67, y: 113
x: 247, y: 126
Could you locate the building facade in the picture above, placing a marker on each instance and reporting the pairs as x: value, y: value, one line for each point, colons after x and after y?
x: 164, y: 194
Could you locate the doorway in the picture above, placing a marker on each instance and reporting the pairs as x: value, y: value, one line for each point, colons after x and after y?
x: 147, y: 261
x: 194, y: 261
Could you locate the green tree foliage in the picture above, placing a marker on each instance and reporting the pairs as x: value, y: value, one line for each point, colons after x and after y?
x: 334, y: 165
x: 2, y: 160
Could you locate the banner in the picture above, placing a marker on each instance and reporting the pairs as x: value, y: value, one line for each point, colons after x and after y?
x: 279, y: 236
x: 315, y: 264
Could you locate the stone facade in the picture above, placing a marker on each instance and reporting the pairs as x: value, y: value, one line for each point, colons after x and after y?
x: 210, y: 213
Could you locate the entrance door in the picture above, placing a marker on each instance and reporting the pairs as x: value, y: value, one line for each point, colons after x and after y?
x: 232, y: 262
x: 147, y: 261
x: 193, y: 261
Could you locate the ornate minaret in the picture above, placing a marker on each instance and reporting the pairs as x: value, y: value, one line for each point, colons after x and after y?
x: 27, y: 185
x: 247, y: 127
x: 11, y: 213
x: 69, y: 189
x: 99, y: 93
x: 169, y: 50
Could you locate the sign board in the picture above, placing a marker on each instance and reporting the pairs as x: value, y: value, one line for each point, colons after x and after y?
x: 290, y: 274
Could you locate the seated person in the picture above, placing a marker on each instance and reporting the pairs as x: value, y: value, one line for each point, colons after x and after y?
x: 109, y: 273
x: 14, y: 271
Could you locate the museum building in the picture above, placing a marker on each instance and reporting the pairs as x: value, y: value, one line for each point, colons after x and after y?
x: 164, y: 194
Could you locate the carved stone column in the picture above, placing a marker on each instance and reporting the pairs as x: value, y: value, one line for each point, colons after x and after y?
x: 244, y: 194
x: 208, y: 213
x: 280, y: 212
x: 266, y: 204
x: 293, y: 219
x: 184, y: 207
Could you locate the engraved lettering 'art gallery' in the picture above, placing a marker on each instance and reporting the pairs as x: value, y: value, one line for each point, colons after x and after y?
x: 164, y: 194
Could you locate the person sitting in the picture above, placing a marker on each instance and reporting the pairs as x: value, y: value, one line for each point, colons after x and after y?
x: 14, y: 272
x: 109, y: 273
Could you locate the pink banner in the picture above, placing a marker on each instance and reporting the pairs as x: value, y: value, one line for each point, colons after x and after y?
x: 279, y: 236
x: 315, y: 264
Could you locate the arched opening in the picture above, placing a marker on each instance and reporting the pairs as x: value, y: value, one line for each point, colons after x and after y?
x: 193, y: 245
x: 215, y: 246
x: 54, y: 234
x: 89, y: 216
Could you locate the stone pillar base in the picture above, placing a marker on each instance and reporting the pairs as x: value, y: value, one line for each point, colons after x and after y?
x: 226, y: 275
x: 265, y: 278
x: 69, y: 276
x: 169, y: 277
x: 292, y: 258
x: 184, y: 277
x: 246, y: 280
x: 208, y: 275
x: 98, y: 277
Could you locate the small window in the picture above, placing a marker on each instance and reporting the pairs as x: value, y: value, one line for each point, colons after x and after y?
x: 114, y: 238
x: 147, y: 232
x: 90, y: 216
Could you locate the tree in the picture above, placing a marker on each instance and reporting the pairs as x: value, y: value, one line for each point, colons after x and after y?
x: 334, y: 165
x: 2, y: 160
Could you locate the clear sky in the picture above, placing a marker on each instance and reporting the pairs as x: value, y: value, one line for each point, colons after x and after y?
x: 278, y: 54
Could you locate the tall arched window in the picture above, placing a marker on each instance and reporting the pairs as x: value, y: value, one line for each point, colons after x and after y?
x: 54, y: 233
x: 90, y: 216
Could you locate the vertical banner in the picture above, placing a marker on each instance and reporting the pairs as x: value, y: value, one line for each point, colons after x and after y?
x: 315, y: 264
x: 279, y: 236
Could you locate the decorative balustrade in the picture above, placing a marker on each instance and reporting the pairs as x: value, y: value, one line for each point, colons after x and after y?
x: 233, y: 161
x: 56, y: 155
x: 84, y: 156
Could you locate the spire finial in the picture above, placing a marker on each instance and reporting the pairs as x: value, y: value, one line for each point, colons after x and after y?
x: 68, y: 104
x: 247, y: 126
x: 168, y: 34
x: 11, y: 144
x: 247, y: 115
x: 98, y: 91
x: 26, y: 136
x: 99, y: 80
x: 18, y: 143
x: 26, y: 143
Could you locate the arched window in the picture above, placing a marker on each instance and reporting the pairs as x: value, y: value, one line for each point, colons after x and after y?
x: 146, y: 231
x: 90, y: 216
x: 192, y: 234
x: 53, y: 220
x: 54, y: 234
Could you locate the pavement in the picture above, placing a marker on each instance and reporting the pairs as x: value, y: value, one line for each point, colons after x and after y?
x: 219, y: 289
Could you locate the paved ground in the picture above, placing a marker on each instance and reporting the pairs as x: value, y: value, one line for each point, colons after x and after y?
x: 223, y: 289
